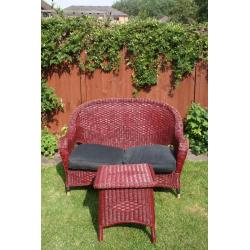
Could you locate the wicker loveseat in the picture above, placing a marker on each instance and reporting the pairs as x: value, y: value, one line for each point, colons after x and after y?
x: 124, y: 123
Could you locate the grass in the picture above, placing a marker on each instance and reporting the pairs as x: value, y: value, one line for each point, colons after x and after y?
x: 70, y: 222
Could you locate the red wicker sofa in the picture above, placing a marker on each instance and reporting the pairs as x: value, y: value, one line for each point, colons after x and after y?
x: 124, y: 123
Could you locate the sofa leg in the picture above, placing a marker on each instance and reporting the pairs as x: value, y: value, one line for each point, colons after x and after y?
x: 178, y: 191
x: 67, y: 189
x: 153, y: 236
x: 100, y: 233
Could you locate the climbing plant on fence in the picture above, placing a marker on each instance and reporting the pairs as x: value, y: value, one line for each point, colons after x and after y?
x: 150, y: 45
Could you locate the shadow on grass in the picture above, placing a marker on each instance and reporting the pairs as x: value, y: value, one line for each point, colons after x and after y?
x: 60, y: 171
x: 165, y: 190
x: 91, y: 201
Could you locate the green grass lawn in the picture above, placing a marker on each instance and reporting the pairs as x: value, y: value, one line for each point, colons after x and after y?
x: 70, y: 222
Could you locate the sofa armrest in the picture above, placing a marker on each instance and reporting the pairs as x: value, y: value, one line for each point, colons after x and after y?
x: 65, y: 144
x: 181, y: 153
x: 65, y: 148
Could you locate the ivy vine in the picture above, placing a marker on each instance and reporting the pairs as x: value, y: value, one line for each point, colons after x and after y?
x: 150, y: 45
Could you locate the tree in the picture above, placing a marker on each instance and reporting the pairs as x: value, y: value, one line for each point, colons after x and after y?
x: 202, y: 13
x: 184, y: 11
x: 153, y: 8
x: 131, y: 7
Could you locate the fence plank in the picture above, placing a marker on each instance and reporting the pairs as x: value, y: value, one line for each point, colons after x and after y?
x: 75, y: 89
x: 180, y: 98
x: 201, y: 85
x: 104, y: 85
x: 67, y: 87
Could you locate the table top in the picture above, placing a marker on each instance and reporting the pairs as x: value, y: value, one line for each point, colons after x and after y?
x: 124, y: 176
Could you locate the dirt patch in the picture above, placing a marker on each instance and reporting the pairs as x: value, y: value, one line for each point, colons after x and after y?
x: 197, y: 209
x: 192, y: 157
x: 56, y: 159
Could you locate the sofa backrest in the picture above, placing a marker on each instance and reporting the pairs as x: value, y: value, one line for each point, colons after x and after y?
x: 124, y: 122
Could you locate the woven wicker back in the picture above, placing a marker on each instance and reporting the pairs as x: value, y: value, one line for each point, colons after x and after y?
x: 124, y: 122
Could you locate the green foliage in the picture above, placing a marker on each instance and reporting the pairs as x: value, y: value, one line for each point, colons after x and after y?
x: 153, y: 45
x: 202, y: 13
x: 154, y: 8
x: 49, y: 101
x: 184, y: 11
x: 62, y: 40
x: 150, y: 45
x: 130, y: 7
x: 196, y: 129
x: 48, y: 143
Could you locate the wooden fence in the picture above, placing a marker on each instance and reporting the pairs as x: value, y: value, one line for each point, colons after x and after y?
x: 75, y: 88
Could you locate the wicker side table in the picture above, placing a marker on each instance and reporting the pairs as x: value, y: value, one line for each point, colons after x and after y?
x: 125, y: 196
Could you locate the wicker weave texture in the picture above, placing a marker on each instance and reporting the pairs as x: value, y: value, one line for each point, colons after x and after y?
x: 124, y: 176
x: 80, y: 178
x: 121, y: 206
x: 86, y: 178
x: 123, y: 122
x: 171, y: 180
x: 128, y: 199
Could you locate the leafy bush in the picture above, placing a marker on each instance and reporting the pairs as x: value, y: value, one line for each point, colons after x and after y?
x: 48, y: 143
x: 49, y: 101
x: 196, y: 128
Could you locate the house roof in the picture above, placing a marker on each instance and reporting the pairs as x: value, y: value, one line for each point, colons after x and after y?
x: 45, y: 6
x: 95, y: 10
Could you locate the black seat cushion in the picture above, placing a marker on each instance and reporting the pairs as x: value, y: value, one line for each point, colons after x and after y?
x: 159, y: 156
x: 91, y: 156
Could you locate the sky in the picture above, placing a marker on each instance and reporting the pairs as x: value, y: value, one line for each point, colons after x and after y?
x: 66, y: 3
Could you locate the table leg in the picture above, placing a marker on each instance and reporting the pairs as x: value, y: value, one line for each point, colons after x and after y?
x: 100, y: 214
x: 152, y: 204
x: 153, y: 235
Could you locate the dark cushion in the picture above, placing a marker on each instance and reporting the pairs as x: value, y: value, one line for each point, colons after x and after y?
x: 159, y: 156
x: 91, y: 156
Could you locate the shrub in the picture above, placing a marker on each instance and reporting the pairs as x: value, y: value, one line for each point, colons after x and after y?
x: 196, y: 129
x: 48, y: 143
x: 49, y: 102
